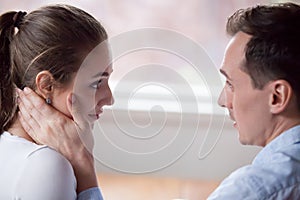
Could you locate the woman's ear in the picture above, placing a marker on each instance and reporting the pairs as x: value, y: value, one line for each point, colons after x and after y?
x: 44, y: 84
x: 281, y: 96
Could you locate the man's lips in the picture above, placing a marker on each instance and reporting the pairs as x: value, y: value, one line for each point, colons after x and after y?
x: 234, y: 124
x: 232, y: 118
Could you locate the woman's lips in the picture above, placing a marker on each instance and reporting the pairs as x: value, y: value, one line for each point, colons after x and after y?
x: 96, y: 115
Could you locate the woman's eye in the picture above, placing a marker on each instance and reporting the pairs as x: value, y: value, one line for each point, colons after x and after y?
x: 97, y: 84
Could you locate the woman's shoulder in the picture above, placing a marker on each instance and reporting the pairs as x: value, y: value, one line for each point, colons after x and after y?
x: 30, y: 153
x: 50, y: 164
x: 50, y: 172
x: 35, y: 171
x: 48, y: 158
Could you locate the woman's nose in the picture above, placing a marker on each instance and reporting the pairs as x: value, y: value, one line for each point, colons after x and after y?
x: 109, y: 100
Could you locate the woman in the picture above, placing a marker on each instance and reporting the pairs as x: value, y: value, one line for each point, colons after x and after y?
x: 46, y: 50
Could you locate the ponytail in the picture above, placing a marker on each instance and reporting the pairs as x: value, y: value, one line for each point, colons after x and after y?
x: 7, y: 91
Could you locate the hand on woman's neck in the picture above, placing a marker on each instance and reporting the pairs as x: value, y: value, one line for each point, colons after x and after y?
x: 17, y: 129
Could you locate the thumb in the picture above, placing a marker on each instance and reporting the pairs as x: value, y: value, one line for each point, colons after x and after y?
x: 76, y: 112
x: 84, y: 128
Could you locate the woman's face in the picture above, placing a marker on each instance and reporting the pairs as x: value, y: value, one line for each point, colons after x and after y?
x: 90, y: 86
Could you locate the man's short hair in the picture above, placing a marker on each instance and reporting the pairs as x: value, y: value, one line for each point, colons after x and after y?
x: 273, y: 51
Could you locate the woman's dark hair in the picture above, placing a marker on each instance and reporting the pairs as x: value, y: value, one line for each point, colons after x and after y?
x: 54, y: 38
x: 273, y: 52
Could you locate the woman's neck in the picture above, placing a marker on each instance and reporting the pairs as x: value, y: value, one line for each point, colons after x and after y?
x: 17, y: 129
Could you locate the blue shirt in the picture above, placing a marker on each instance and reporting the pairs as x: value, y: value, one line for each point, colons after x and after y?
x: 90, y: 194
x: 274, y: 173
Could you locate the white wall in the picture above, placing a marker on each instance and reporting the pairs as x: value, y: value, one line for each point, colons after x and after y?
x: 175, y: 151
x: 125, y: 142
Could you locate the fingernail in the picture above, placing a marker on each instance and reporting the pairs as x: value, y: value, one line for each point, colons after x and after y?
x: 18, y: 90
x: 18, y: 100
x: 73, y: 98
x: 26, y: 90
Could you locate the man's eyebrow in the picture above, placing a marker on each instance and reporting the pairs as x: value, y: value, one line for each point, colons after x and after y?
x: 101, y: 74
x: 225, y: 74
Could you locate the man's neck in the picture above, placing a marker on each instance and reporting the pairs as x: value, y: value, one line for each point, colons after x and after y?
x: 281, y: 127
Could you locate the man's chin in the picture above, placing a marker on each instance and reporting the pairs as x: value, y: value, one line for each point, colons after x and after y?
x: 243, y: 141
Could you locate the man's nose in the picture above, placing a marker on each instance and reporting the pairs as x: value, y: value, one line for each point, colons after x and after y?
x: 222, y: 98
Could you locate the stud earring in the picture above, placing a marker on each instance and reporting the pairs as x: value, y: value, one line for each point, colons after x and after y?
x: 48, y: 101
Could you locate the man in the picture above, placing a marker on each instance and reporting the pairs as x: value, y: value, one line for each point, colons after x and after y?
x: 262, y: 94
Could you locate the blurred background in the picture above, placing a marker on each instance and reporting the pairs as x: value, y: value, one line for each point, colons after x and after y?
x: 165, y: 137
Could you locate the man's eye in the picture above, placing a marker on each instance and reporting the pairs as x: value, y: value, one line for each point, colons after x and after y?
x: 229, y: 84
x: 97, y: 84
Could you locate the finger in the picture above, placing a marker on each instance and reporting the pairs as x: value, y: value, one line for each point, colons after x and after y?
x: 28, y: 119
x: 24, y: 123
x: 28, y: 128
x: 29, y: 111
x: 75, y: 110
x: 37, y: 105
x: 28, y: 123
x: 84, y: 128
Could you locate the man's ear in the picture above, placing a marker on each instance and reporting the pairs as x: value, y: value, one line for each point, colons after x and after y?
x: 280, y: 97
x: 44, y: 84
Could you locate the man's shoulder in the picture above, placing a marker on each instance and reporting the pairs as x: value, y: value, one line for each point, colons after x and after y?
x: 257, y: 182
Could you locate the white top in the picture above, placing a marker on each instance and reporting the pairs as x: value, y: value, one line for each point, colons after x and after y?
x: 33, y: 172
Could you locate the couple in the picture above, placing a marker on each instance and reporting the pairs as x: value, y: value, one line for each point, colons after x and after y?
x: 43, y: 58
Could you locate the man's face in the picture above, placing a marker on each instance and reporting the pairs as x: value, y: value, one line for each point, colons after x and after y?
x: 248, y: 107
